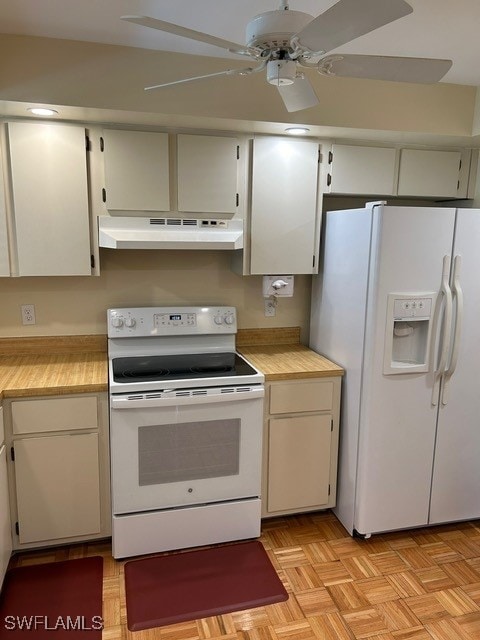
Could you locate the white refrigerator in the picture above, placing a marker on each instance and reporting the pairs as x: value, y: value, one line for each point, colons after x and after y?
x: 397, y: 304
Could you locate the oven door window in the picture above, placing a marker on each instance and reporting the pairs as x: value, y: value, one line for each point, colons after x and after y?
x: 188, y: 451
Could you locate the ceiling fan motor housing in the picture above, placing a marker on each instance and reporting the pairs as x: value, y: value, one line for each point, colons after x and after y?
x: 274, y: 29
x: 281, y: 72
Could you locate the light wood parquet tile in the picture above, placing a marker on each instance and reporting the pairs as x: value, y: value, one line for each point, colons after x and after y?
x: 462, y: 572
x: 300, y: 630
x: 360, y: 567
x: 347, y: 596
x: 377, y: 590
x: 389, y: 562
x: 318, y: 552
x: 406, y: 584
x: 434, y: 578
x: 417, y: 633
x: 397, y: 615
x: 422, y: 584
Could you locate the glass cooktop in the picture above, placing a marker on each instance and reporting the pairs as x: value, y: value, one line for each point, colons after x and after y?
x: 180, y: 367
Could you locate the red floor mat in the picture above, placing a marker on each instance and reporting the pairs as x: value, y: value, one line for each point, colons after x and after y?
x: 52, y: 601
x: 163, y: 590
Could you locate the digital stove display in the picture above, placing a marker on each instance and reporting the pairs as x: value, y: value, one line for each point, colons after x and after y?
x: 180, y: 367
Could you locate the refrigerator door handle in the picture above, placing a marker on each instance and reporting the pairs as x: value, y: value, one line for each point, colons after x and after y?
x: 446, y: 294
x: 458, y: 297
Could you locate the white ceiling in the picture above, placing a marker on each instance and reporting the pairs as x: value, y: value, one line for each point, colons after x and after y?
x: 437, y: 28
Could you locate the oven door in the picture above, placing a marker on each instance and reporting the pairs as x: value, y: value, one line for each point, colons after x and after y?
x: 185, y: 447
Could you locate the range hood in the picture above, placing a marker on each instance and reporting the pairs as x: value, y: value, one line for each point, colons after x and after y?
x: 169, y: 233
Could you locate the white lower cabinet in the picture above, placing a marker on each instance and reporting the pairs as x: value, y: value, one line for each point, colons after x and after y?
x: 59, y: 471
x: 5, y: 530
x: 300, y: 445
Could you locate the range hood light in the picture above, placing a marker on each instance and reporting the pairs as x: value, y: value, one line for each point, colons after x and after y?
x: 42, y: 111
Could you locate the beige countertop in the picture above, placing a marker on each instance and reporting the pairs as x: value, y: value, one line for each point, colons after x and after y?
x: 289, y: 361
x: 52, y: 366
x: 78, y: 364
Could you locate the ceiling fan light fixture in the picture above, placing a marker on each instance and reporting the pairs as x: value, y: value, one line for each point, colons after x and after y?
x: 281, y: 72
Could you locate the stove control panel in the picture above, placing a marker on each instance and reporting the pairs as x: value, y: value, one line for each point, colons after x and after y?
x: 170, y: 321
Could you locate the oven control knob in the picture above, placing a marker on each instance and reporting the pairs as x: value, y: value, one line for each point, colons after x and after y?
x: 117, y: 322
x: 218, y: 319
x: 229, y: 319
x: 130, y: 322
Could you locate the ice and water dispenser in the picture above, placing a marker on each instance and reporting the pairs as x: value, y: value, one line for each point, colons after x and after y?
x: 408, y: 332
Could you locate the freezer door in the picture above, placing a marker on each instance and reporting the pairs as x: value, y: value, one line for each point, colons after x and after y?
x: 397, y: 417
x: 456, y: 474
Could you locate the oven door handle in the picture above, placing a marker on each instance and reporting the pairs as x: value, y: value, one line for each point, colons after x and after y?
x: 150, y: 401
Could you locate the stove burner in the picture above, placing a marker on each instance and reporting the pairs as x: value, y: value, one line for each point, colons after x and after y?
x: 179, y: 367
x: 153, y: 375
x: 212, y: 369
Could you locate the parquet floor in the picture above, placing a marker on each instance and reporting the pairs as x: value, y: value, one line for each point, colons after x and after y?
x: 422, y: 584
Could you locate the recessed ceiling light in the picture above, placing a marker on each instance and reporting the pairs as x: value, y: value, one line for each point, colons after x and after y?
x: 40, y: 111
x: 297, y: 131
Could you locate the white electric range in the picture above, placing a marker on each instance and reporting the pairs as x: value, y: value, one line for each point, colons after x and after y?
x: 186, y: 415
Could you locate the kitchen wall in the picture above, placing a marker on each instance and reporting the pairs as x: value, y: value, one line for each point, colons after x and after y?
x: 88, y: 74
x: 77, y: 305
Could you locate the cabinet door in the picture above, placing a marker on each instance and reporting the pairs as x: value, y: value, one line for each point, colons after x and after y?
x: 50, y: 197
x: 136, y: 171
x: 425, y: 172
x: 284, y: 206
x: 5, y: 529
x: 365, y: 170
x: 207, y: 173
x: 57, y: 487
x: 298, y: 462
x: 4, y: 253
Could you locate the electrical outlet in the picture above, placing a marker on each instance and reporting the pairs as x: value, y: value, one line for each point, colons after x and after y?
x: 270, y: 309
x: 28, y: 314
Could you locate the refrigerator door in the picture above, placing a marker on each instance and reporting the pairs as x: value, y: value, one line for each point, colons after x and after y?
x: 456, y: 473
x: 337, y: 329
x: 397, y: 418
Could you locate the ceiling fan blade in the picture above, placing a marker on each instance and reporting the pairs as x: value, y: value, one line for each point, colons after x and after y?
x: 350, y: 19
x: 396, y: 69
x: 178, y: 30
x: 299, y: 95
x: 227, y: 72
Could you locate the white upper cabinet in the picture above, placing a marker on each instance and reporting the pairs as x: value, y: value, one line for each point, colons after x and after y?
x: 136, y: 171
x: 284, y: 202
x: 426, y: 172
x: 4, y: 252
x: 207, y: 174
x: 389, y: 171
x: 357, y: 169
x: 50, y: 205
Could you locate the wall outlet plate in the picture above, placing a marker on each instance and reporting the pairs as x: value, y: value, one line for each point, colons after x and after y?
x: 270, y: 307
x: 28, y: 314
x: 279, y: 286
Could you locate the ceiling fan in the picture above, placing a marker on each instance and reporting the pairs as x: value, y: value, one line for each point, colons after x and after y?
x: 282, y: 42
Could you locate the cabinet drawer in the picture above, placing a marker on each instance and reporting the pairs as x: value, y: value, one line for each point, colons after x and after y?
x: 304, y: 396
x: 64, y: 414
